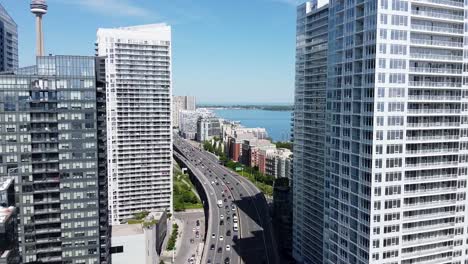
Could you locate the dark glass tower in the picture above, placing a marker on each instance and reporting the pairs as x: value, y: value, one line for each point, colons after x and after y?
x: 50, y: 117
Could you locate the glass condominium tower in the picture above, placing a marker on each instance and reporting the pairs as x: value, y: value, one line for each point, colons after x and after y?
x: 139, y: 129
x: 49, y: 134
x: 309, y: 131
x: 397, y: 132
x: 8, y: 41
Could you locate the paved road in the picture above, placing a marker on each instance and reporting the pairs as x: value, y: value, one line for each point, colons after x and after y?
x: 187, y: 247
x: 253, y: 242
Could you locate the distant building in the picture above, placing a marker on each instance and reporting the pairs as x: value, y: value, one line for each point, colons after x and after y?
x: 188, y: 122
x: 9, y: 251
x: 275, y: 162
x: 139, y: 243
x: 235, y: 142
x: 139, y: 131
x: 181, y: 103
x: 251, y: 149
x: 208, y: 127
x: 8, y: 41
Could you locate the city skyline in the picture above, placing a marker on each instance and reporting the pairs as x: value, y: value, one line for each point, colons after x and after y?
x: 208, y: 39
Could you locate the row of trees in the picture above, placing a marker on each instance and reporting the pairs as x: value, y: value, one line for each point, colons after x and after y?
x: 173, y: 238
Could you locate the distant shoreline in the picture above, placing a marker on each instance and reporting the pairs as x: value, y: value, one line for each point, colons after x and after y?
x: 250, y: 107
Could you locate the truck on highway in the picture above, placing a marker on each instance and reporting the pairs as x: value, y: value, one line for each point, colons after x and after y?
x: 220, y: 203
x: 234, y: 218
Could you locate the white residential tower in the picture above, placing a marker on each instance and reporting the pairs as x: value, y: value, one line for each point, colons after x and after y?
x: 139, y: 138
x: 396, y: 154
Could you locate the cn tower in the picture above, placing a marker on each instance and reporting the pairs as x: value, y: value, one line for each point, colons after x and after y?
x: 39, y: 8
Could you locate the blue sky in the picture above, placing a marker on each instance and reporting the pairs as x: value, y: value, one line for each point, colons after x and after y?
x: 223, y: 51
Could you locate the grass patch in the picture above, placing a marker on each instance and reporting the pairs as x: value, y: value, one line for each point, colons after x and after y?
x: 184, y: 198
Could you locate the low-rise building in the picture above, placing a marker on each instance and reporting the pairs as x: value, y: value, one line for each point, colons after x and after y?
x: 251, y: 149
x: 234, y: 148
x: 9, y: 252
x: 139, y: 243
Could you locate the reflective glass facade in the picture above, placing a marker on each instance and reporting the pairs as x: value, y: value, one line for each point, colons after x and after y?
x: 48, y: 127
x: 8, y: 41
x: 309, y: 131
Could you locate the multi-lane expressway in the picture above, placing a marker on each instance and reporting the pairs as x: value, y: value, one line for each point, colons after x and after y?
x: 253, y: 241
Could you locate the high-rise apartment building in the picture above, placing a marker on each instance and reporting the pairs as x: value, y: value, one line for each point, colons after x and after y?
x: 139, y: 137
x: 181, y: 103
x: 48, y: 120
x: 396, y: 134
x: 309, y: 131
x: 8, y: 41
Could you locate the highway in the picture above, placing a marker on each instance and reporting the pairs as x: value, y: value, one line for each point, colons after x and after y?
x: 253, y: 242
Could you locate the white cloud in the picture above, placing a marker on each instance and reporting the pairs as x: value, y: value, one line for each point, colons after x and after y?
x: 111, y: 7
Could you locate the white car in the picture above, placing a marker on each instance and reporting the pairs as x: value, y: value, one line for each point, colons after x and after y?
x: 221, y: 238
x: 228, y: 247
x: 221, y: 217
x: 213, y: 235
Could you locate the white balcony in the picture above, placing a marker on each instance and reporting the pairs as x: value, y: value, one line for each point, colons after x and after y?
x: 433, y: 151
x: 435, y: 84
x: 434, y: 97
x: 443, y: 2
x: 449, y: 30
x: 428, y: 178
x: 435, y: 70
x: 423, y: 252
x: 434, y: 111
x: 431, y: 164
x: 437, y: 15
x: 434, y: 124
x: 429, y: 138
x: 428, y: 216
x: 436, y: 57
x: 418, y: 229
x: 429, y: 191
x: 440, y: 43
x: 427, y: 240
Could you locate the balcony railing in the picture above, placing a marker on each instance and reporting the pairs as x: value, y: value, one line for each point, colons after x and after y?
x: 449, y: 137
x: 436, y: 57
x: 434, y: 84
x: 441, y: 43
x: 427, y: 164
x: 431, y: 191
x: 435, y: 70
x: 437, y: 29
x: 427, y: 240
x: 434, y: 111
x: 430, y: 151
x: 443, y: 2
x: 428, y: 227
x: 437, y: 15
x: 434, y: 97
x: 435, y: 124
x: 433, y: 177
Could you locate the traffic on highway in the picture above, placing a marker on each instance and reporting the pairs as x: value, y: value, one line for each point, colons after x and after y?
x: 239, y: 227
